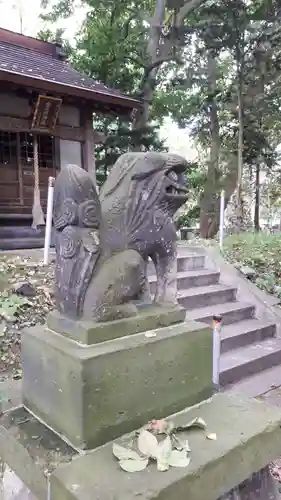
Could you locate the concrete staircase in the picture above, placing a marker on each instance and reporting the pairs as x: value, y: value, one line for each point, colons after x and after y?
x: 250, y: 347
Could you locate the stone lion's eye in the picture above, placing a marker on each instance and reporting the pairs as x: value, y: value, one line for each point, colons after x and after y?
x: 172, y: 175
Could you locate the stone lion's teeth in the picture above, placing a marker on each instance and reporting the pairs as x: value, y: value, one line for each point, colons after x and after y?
x: 172, y: 175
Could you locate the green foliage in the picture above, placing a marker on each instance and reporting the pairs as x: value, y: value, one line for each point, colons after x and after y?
x: 61, y: 9
x: 58, y: 38
x: 244, y: 40
x: 188, y: 218
x: 261, y: 252
x: 10, y: 306
x: 111, y: 48
x: 120, y: 138
x: 190, y: 214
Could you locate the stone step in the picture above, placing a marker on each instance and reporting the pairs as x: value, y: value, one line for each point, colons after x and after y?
x: 206, y: 296
x: 244, y: 333
x: 21, y: 243
x: 230, y: 311
x: 8, y: 232
x: 240, y: 363
x: 258, y: 384
x: 185, y: 262
x: 251, y: 353
x: 188, y: 279
x: 189, y: 249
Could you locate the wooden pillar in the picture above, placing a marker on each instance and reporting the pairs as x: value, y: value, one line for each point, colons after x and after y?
x: 88, y: 154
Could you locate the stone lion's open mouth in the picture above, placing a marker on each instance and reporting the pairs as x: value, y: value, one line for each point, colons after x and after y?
x: 176, y: 182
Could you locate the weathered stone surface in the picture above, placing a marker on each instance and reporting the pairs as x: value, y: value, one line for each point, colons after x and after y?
x: 113, y: 287
x: 31, y: 449
x: 77, y: 218
x: 139, y: 200
x: 103, y: 246
x: 35, y: 452
x: 249, y: 272
x: 86, y: 332
x: 93, y: 394
x: 248, y: 438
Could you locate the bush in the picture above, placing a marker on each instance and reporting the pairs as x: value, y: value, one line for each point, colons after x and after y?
x: 189, y: 218
x: 262, y: 253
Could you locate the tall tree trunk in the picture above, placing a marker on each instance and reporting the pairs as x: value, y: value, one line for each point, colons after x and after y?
x: 261, y: 63
x: 229, y: 184
x: 240, y: 103
x: 148, y: 81
x: 161, y: 50
x: 210, y: 200
x: 257, y: 198
x: 142, y: 115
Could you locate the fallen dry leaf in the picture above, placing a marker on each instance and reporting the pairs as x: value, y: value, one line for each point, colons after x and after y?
x: 212, y: 436
x: 147, y: 444
x: 15, y: 269
x: 150, y: 335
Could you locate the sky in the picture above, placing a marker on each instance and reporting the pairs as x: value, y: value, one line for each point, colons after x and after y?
x: 10, y: 18
x: 178, y: 141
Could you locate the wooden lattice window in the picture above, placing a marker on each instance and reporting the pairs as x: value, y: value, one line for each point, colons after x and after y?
x: 8, y: 148
x: 46, y: 150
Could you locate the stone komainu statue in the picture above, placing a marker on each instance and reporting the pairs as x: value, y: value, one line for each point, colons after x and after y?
x: 103, y: 243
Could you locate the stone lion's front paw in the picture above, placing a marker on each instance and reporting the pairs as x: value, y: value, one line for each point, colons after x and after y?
x: 166, y: 302
x: 119, y: 312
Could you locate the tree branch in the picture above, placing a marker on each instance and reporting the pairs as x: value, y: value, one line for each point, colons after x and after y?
x: 141, y: 16
x: 155, y: 29
x: 161, y: 60
x: 185, y: 9
x: 134, y: 60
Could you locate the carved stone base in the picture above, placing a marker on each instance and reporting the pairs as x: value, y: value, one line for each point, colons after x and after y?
x: 86, y: 332
x: 91, y: 394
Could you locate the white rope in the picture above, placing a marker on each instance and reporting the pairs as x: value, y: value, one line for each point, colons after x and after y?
x: 49, y: 218
x: 37, y: 212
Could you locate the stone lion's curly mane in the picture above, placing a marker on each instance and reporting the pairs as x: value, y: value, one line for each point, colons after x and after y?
x: 134, y: 189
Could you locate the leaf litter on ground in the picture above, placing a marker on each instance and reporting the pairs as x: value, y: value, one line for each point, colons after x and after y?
x: 168, y: 452
x: 21, y: 275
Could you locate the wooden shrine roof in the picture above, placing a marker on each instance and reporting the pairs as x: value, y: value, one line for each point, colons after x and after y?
x: 38, y: 64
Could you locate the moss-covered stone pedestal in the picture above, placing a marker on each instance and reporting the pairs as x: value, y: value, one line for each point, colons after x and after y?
x: 96, y: 392
x: 79, y: 395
